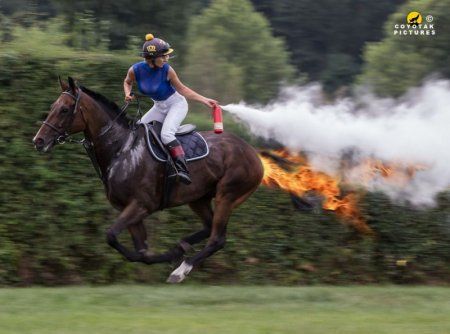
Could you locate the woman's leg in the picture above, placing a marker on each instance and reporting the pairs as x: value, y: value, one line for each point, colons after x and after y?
x: 177, y: 111
x: 178, y: 108
x: 156, y: 113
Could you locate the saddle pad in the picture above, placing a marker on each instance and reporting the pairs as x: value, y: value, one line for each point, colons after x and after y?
x: 193, y: 143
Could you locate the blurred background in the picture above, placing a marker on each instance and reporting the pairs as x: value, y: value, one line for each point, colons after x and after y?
x: 53, y: 211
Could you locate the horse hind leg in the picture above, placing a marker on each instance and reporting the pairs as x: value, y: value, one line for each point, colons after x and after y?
x: 202, y: 208
x: 215, y: 242
x: 217, y: 238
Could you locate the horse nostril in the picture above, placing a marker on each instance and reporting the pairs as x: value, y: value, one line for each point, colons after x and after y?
x: 38, y: 143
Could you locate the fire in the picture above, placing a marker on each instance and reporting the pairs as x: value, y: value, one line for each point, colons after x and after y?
x: 302, y: 178
x: 294, y: 174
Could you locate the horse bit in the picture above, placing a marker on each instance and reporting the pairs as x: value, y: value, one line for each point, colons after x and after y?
x: 64, y: 135
x: 87, y: 144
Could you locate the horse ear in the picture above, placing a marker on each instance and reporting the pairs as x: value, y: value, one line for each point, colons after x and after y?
x: 64, y: 85
x: 72, y: 85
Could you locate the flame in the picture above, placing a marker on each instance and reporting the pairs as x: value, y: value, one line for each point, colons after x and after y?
x: 302, y: 179
x: 294, y: 174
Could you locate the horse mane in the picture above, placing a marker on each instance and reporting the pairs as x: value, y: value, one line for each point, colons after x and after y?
x: 110, y: 106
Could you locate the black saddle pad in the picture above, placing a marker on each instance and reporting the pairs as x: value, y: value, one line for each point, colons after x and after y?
x: 193, y: 143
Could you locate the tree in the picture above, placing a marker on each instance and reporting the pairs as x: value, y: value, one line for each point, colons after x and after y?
x: 246, y: 59
x: 326, y: 37
x: 164, y: 18
x: 399, y: 62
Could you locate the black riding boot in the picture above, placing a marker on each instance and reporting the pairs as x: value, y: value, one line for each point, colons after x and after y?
x: 177, y: 154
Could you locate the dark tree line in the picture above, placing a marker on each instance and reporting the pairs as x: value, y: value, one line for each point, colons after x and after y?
x: 325, y: 38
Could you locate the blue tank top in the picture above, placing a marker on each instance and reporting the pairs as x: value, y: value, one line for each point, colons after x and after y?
x: 153, y: 81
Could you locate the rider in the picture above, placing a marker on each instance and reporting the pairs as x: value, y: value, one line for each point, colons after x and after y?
x: 157, y: 79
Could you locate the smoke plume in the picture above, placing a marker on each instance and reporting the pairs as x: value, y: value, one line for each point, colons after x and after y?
x: 412, y: 130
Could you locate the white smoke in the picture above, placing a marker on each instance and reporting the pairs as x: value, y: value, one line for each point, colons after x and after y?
x: 413, y: 129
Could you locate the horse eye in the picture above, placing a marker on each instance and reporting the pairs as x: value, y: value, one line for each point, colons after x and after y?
x: 64, y: 110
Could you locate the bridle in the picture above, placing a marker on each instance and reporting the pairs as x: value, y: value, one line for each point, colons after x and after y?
x: 64, y: 135
x: 87, y: 144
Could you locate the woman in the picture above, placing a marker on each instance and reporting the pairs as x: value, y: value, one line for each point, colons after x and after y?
x: 157, y: 79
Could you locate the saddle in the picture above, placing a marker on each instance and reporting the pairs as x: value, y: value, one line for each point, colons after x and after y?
x: 193, y: 143
x: 194, y: 146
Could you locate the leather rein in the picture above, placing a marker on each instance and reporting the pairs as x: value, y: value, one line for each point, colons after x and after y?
x: 87, y: 144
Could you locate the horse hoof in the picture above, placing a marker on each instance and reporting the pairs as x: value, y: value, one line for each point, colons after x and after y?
x: 175, y: 279
x: 179, y: 274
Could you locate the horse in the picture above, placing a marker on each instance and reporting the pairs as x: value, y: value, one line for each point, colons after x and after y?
x: 134, y: 180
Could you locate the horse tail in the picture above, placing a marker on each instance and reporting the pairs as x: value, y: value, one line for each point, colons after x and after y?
x: 281, y: 171
x: 306, y: 203
x: 280, y: 161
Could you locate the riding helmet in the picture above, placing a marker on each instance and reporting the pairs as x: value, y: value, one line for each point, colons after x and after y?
x: 155, y: 47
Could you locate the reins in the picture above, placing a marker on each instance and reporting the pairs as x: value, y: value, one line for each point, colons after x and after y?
x: 64, y: 136
x: 123, y: 109
x: 87, y: 144
x: 111, y: 123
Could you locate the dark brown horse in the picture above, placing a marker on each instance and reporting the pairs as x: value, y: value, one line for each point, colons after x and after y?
x: 134, y: 179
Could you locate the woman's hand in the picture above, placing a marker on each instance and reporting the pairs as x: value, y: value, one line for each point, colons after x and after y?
x: 210, y: 102
x: 129, y: 97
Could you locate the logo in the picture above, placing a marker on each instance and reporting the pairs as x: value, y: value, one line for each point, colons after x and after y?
x: 414, y: 18
x: 151, y: 48
x: 415, y: 25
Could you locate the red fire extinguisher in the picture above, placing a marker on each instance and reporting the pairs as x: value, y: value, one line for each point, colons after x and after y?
x: 218, y: 121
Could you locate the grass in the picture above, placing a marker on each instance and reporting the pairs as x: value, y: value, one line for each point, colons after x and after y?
x: 225, y: 309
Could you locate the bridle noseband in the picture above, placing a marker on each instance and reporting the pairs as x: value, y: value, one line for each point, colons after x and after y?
x: 63, y: 135
x: 87, y: 144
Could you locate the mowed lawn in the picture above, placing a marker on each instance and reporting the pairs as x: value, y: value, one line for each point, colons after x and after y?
x: 225, y: 309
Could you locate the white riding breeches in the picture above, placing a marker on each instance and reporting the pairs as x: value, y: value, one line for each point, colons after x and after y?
x: 170, y: 113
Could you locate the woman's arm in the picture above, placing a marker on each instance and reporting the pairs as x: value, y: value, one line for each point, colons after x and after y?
x: 128, y: 84
x: 187, y: 92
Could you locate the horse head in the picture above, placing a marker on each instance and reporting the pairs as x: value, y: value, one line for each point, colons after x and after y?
x: 65, y: 118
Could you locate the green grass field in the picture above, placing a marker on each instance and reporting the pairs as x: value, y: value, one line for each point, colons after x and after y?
x: 225, y: 309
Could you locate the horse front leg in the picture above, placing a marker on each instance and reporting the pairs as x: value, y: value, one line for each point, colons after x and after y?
x: 203, y: 209
x: 143, y: 254
x: 139, y: 235
x: 131, y: 217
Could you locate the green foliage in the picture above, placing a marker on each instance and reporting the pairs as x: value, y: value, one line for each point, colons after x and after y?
x: 45, y: 198
x: 87, y: 34
x: 164, y: 18
x: 242, y: 56
x: 326, y: 37
x: 213, y: 75
x: 53, y: 211
x: 339, y: 70
x: 401, y: 61
x: 110, y: 24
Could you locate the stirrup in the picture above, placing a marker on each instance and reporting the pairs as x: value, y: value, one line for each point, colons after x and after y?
x: 183, y: 178
x: 180, y: 176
